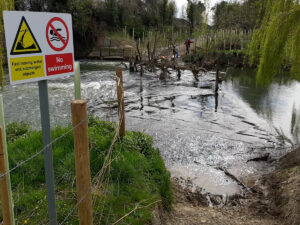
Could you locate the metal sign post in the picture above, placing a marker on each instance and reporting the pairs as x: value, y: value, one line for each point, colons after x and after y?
x: 48, y: 156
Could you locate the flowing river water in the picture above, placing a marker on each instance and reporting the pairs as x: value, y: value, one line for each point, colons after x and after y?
x: 196, y: 131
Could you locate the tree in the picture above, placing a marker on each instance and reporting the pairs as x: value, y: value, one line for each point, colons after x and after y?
x: 276, y: 42
x: 235, y: 15
x: 91, y: 17
x: 194, y: 13
x: 111, y: 12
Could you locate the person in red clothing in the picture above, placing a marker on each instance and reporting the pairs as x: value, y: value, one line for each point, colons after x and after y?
x: 188, y: 45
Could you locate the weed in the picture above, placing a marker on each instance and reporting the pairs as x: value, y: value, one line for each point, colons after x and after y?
x: 137, y: 176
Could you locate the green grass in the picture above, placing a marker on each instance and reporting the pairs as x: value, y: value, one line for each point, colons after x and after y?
x: 137, y: 175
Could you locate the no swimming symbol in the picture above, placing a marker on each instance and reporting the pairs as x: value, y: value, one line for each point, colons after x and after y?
x: 57, y: 34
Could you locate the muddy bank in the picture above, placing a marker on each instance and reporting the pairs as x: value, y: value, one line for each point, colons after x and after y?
x: 272, y: 199
x: 222, y: 59
x: 281, y: 190
x: 188, y: 210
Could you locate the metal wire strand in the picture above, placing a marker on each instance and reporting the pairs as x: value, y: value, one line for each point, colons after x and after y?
x: 100, y: 173
x: 43, y: 149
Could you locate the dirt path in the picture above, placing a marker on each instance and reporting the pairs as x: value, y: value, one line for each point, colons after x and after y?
x: 188, y: 210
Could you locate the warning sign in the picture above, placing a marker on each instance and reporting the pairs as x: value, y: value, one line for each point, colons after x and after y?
x: 27, y: 68
x: 39, y: 45
x: 25, y: 42
x: 56, y: 64
x: 57, y: 34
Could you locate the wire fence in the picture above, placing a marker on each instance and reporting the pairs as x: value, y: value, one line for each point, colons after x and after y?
x: 46, y: 148
x: 224, y: 40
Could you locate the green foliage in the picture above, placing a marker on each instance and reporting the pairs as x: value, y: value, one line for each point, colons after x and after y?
x: 92, y: 18
x: 16, y: 130
x: 137, y: 175
x: 83, y: 24
x: 194, y: 13
x: 236, y: 15
x: 276, y: 43
x: 4, y: 5
x: 82, y: 16
x: 166, y: 12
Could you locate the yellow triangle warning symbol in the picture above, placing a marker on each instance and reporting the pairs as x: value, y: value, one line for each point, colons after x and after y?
x: 25, y: 42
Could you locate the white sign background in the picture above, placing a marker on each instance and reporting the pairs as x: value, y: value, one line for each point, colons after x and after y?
x: 37, y: 21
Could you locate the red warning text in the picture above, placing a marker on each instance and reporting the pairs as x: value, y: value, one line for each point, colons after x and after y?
x: 59, y: 64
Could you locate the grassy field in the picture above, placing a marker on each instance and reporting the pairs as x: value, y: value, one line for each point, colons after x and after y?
x: 135, y: 180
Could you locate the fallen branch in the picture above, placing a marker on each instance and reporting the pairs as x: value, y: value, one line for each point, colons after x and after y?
x: 234, y: 178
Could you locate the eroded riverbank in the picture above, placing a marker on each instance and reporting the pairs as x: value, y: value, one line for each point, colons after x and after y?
x: 274, y: 199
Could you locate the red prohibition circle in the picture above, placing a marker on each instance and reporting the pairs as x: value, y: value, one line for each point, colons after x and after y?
x: 65, y: 42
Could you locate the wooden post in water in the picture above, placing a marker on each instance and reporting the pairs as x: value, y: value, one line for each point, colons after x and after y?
x: 4, y: 190
x: 82, y: 162
x: 121, y: 107
x: 217, y: 81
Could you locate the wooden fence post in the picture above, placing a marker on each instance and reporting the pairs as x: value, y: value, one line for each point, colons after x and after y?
x: 82, y: 162
x: 224, y: 40
x: 2, y: 124
x: 4, y: 190
x: 121, y: 108
x: 242, y: 40
x: 77, y: 81
x: 230, y: 34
